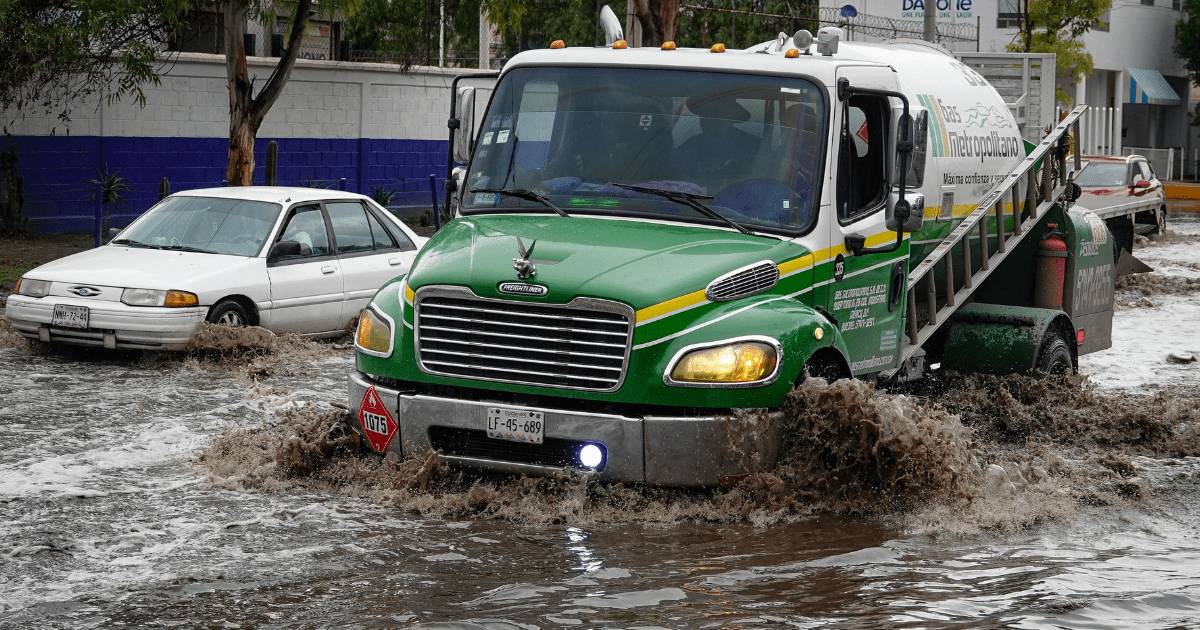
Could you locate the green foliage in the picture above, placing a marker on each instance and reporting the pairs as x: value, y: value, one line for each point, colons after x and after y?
x: 1056, y: 26
x: 382, y: 195
x: 398, y: 29
x: 111, y: 192
x: 1187, y: 46
x: 750, y: 29
x: 58, y: 52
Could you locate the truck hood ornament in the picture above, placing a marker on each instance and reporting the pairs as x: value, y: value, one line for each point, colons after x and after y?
x: 525, y: 267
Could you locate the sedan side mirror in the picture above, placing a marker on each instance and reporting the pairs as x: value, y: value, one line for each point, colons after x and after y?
x: 1141, y: 183
x: 281, y: 249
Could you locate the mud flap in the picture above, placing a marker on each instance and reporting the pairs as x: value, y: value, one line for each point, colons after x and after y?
x: 1127, y: 264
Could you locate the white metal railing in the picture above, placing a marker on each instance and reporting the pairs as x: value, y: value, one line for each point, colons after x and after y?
x: 1162, y: 160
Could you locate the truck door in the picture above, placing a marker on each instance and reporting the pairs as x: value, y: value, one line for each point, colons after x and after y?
x: 865, y: 291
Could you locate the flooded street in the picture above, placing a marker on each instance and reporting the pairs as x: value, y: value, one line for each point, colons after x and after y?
x: 202, y: 492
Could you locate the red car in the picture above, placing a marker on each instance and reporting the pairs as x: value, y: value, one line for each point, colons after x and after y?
x: 1113, y: 180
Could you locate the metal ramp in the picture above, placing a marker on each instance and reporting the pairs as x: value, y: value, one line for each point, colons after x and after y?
x: 923, y: 279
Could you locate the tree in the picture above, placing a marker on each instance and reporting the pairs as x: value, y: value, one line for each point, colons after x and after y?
x: 58, y: 53
x: 246, y: 111
x: 1187, y: 46
x: 406, y: 31
x: 1057, y: 26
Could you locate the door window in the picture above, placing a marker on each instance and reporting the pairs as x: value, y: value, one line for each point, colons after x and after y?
x: 350, y: 227
x: 862, y: 157
x: 306, y: 226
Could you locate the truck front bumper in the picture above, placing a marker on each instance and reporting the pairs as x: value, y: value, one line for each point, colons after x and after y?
x: 659, y: 450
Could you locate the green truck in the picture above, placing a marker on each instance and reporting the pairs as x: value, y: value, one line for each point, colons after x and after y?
x: 646, y: 240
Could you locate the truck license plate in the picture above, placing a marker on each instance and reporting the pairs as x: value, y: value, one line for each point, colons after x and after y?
x: 516, y: 425
x: 69, y: 316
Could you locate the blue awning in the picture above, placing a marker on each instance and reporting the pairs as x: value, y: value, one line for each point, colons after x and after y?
x: 1149, y: 86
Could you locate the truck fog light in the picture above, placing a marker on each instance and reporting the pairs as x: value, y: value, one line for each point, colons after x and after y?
x: 591, y: 456
x: 743, y: 362
x: 374, y: 335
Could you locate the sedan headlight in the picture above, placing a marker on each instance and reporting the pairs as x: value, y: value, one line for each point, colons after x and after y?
x: 33, y: 288
x: 744, y: 362
x: 158, y: 297
x: 374, y: 335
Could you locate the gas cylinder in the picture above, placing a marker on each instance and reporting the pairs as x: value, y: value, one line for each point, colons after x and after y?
x: 1051, y: 269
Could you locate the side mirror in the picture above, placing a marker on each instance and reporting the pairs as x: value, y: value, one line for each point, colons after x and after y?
x: 113, y: 232
x: 458, y: 178
x: 281, y: 249
x: 465, y: 113
x: 1141, y: 183
x: 906, y: 215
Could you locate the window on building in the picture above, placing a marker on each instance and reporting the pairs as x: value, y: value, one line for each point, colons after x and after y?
x: 1175, y: 5
x: 1101, y: 23
x: 1148, y: 3
x: 1009, y: 15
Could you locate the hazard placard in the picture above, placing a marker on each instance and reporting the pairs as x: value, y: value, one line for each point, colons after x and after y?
x: 377, y: 422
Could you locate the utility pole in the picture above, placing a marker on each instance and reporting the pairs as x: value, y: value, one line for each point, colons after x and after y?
x: 930, y: 21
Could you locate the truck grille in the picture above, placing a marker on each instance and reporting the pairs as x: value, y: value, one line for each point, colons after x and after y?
x: 581, y: 345
x: 740, y: 283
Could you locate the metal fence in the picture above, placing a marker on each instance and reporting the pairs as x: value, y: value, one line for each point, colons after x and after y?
x: 1161, y: 160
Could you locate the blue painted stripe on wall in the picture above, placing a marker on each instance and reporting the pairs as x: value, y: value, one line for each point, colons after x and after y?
x: 59, y: 199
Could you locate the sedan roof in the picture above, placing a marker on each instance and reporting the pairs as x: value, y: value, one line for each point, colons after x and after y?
x: 273, y: 194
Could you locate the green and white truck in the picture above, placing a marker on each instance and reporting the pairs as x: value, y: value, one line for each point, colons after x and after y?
x: 646, y: 240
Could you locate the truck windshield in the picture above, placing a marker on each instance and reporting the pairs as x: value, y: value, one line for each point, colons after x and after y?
x: 752, y: 143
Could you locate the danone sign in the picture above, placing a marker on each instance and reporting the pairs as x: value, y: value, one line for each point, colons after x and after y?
x: 945, y: 8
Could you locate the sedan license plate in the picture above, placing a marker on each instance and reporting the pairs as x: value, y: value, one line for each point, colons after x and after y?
x: 516, y: 425
x: 69, y: 316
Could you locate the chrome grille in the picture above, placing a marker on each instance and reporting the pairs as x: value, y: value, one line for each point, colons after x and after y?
x: 581, y: 345
x: 739, y: 283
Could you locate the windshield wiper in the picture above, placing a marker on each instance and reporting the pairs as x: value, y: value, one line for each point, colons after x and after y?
x: 125, y: 241
x: 521, y: 193
x: 186, y: 248
x: 691, y: 200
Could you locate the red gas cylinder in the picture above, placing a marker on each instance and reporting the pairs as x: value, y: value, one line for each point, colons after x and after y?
x: 1051, y: 269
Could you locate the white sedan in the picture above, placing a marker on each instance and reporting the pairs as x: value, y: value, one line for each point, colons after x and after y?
x: 299, y: 260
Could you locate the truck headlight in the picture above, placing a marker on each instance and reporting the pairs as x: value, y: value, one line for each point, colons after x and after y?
x: 732, y: 364
x: 33, y: 288
x: 158, y: 297
x: 374, y: 334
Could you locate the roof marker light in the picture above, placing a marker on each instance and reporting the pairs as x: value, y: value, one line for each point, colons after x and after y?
x: 620, y: 44
x: 668, y: 46
x: 717, y: 48
x: 792, y: 53
x: 558, y: 43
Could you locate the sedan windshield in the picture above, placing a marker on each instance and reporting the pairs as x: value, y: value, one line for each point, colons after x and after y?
x: 1103, y: 174
x: 749, y: 145
x: 203, y: 224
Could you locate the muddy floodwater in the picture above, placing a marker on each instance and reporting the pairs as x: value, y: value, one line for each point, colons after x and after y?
x: 218, y: 489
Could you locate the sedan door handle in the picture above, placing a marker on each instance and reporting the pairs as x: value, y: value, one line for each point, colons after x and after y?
x: 395, y: 261
x: 328, y: 270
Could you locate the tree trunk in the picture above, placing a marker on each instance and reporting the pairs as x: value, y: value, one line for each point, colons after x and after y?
x: 659, y: 20
x: 246, y: 112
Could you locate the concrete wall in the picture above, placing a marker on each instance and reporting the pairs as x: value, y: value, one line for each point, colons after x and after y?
x: 368, y: 124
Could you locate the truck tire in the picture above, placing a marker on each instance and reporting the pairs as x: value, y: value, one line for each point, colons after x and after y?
x: 1054, y: 357
x: 228, y: 313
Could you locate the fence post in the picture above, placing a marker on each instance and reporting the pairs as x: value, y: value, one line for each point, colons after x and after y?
x: 342, y: 184
x: 164, y: 189
x: 437, y: 212
x: 272, y: 162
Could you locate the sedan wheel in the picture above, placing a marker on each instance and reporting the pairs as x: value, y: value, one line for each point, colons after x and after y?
x: 228, y: 313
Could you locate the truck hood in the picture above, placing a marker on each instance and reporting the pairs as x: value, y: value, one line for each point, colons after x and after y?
x: 635, y: 262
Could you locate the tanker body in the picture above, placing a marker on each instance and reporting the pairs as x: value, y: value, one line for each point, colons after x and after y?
x: 646, y: 240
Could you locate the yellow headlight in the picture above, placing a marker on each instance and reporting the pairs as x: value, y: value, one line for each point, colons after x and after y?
x: 180, y: 298
x: 744, y: 362
x: 374, y: 335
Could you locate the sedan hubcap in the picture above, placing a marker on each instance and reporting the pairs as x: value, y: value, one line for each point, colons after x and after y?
x: 230, y: 318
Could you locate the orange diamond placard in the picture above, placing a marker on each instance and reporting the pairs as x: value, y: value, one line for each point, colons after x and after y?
x: 377, y: 422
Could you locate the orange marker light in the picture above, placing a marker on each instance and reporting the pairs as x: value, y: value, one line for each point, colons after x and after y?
x: 180, y: 298
x: 717, y: 48
x: 620, y: 44
x: 668, y: 46
x: 558, y: 43
x: 792, y: 53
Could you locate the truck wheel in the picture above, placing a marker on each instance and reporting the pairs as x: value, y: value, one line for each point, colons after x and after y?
x: 1054, y: 357
x: 228, y: 313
